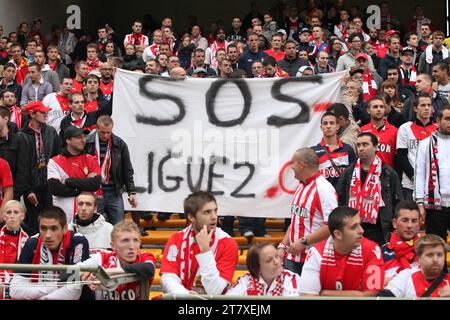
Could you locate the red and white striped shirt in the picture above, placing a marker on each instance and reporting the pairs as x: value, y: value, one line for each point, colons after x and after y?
x: 312, y: 203
x: 129, y: 38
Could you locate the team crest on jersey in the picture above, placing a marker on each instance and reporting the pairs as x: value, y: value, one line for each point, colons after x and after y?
x: 377, y: 252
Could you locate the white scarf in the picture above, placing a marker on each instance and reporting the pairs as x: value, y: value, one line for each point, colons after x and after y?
x: 429, y: 53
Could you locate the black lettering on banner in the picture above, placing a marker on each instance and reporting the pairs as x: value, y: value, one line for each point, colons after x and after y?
x: 211, y: 95
x: 212, y: 174
x: 198, y: 184
x: 160, y: 96
x: 236, y: 193
x: 161, y: 176
x: 303, y: 116
x: 150, y: 159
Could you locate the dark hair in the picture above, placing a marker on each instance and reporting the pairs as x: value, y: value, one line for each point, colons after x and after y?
x: 291, y: 41
x: 269, y: 61
x: 231, y: 45
x: 195, y: 201
x: 9, y: 65
x: 253, y: 265
x: 53, y: 212
x: 2, y: 95
x: 442, y: 66
x: 31, y: 40
x: 328, y: 113
x: 337, y: 217
x: 393, y: 66
x: 373, y: 99
x: 408, y: 36
x: 238, y: 74
x: 373, y: 138
x: 421, y: 95
x: 4, y: 111
x: 73, y: 95
x: 34, y: 64
x: 340, y: 110
x: 353, y: 36
x: 137, y: 21
x: 405, y: 204
x: 93, y: 46
x: 440, y: 112
x: 198, y: 50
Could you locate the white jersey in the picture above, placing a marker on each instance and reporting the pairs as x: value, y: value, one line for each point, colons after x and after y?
x: 408, y: 137
x: 290, y: 285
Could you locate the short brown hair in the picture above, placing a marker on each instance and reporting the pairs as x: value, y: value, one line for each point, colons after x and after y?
x: 194, y: 202
x: 429, y: 240
x: 93, y: 46
x: 105, y: 120
x: 253, y: 265
x: 124, y: 225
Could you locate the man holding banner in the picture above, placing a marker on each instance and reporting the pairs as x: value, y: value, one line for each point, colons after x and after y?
x: 313, y: 201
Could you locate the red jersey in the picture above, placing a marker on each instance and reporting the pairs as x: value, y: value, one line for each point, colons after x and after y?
x: 277, y: 57
x: 312, y: 203
x: 90, y: 106
x: 180, y: 259
x: 11, y: 244
x: 128, y: 291
x: 326, y: 269
x: 77, y: 86
x: 387, y: 141
x: 411, y: 283
x: 107, y: 89
x: 6, y: 179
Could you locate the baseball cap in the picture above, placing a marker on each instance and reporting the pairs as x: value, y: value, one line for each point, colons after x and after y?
x: 356, y: 70
x: 392, y: 32
x: 199, y: 70
x: 36, y: 106
x: 302, y: 70
x: 407, y: 49
x: 362, y: 55
x: 282, y: 31
x: 305, y: 30
x: 73, y: 132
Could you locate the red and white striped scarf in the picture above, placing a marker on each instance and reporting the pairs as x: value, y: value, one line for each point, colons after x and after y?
x: 366, y: 196
x: 94, y: 64
x: 40, y: 152
x: 369, y: 86
x: 188, y: 262
x: 412, y: 76
x: 44, y: 256
x: 16, y: 116
x: 106, y: 165
x: 256, y: 288
x: 214, y: 47
x: 331, y: 276
x: 432, y: 186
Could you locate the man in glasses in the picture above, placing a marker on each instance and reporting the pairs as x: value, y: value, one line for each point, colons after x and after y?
x: 219, y: 43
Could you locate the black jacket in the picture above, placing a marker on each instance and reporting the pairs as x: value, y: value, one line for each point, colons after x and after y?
x: 292, y: 66
x: 391, y: 192
x: 9, y: 150
x: 121, y: 167
x: 104, y: 108
x: 29, y: 177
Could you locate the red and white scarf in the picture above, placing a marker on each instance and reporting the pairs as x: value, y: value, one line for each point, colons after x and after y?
x: 188, y: 262
x: 366, y: 196
x: 214, y: 48
x: 106, y: 165
x: 94, y: 64
x: 432, y: 186
x: 369, y: 86
x: 412, y: 75
x: 44, y: 256
x: 40, y: 152
x: 404, y: 252
x: 16, y: 116
x: 137, y: 39
x: 256, y: 288
x: 332, y: 275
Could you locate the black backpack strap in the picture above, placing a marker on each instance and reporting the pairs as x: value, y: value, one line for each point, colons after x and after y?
x: 435, y: 284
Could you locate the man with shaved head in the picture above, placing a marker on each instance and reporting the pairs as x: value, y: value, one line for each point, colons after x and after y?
x: 313, y: 201
x: 177, y: 72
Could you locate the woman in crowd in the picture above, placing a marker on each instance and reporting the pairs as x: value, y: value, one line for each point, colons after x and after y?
x: 266, y: 276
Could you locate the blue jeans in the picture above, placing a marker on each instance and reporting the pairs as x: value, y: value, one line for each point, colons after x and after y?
x: 293, y: 266
x: 256, y: 225
x: 111, y: 207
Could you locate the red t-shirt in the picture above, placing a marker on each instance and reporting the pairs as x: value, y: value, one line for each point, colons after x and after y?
x: 278, y: 57
x: 107, y: 88
x: 77, y: 86
x: 387, y: 141
x: 6, y: 179
x: 91, y: 106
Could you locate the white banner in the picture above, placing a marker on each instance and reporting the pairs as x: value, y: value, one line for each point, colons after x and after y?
x: 233, y: 138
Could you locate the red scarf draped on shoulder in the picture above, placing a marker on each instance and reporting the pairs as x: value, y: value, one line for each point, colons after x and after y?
x: 43, y: 255
x: 404, y: 251
x: 256, y: 288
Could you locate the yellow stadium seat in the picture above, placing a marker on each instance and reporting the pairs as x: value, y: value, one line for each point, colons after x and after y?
x: 156, y: 278
x: 157, y: 236
x: 238, y: 274
x: 276, y: 237
x: 154, y: 294
x: 448, y: 260
x: 170, y: 223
